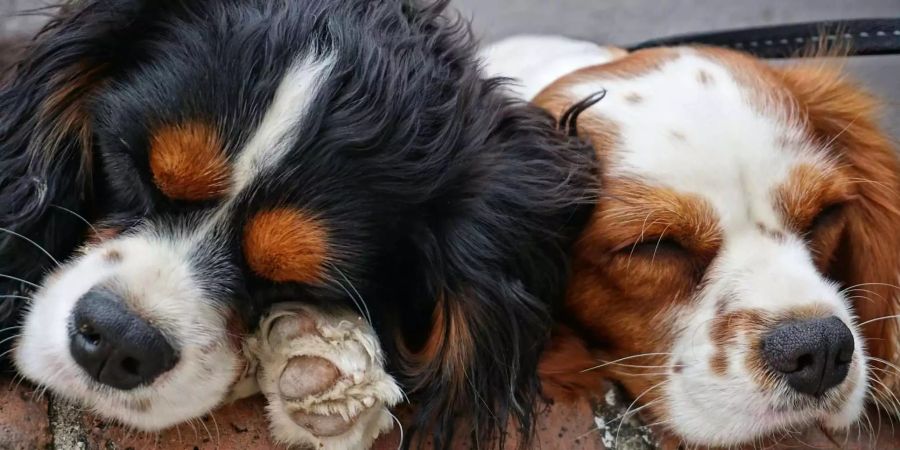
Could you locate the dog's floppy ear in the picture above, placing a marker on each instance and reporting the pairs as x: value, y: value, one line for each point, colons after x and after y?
x: 844, y: 117
x: 46, y: 148
x: 496, y: 261
x: 46, y: 137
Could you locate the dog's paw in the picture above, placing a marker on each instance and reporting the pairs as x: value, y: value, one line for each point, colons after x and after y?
x: 324, y: 379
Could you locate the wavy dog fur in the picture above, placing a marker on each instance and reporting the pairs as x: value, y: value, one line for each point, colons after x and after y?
x: 451, y: 207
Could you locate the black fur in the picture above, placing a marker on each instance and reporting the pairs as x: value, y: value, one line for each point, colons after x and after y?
x: 441, y: 192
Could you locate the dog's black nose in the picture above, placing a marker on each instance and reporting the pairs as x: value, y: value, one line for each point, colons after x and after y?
x: 813, y: 355
x: 114, y: 346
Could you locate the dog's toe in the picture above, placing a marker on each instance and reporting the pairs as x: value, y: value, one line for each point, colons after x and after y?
x: 289, y: 326
x: 307, y: 375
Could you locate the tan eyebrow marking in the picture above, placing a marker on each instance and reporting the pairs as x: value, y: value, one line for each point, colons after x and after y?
x: 807, y: 189
x: 188, y: 162
x: 286, y: 245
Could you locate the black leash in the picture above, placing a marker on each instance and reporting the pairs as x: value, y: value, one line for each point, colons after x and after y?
x: 864, y: 37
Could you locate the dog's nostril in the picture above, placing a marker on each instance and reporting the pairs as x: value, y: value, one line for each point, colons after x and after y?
x: 89, y: 335
x: 114, y: 346
x: 803, y: 362
x: 131, y: 366
x: 813, y: 355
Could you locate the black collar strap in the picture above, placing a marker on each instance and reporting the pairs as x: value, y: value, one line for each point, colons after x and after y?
x: 864, y: 36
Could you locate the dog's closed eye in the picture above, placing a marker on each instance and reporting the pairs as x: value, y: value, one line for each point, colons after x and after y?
x: 655, y: 247
x: 828, y: 216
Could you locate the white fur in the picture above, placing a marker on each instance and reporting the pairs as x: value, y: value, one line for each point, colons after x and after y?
x: 724, y: 142
x: 362, y: 394
x: 157, y: 280
x: 273, y: 138
x: 163, y: 287
x: 534, y: 62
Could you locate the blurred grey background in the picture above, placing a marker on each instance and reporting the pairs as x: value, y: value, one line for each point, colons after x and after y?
x: 625, y: 22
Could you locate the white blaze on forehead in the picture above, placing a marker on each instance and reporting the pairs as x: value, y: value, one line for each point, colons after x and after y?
x: 275, y: 135
x: 691, y: 126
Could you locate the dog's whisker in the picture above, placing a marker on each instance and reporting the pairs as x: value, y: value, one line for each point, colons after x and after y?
x: 212, y: 415
x: 9, y: 339
x: 19, y: 383
x: 190, y: 423
x: 893, y: 401
x: 871, y: 284
x: 649, y: 374
x: 8, y: 352
x: 887, y: 363
x: 10, y: 277
x: 638, y: 366
x: 634, y: 411
x: 400, y: 429
x: 30, y: 241
x: 81, y: 218
x: 358, y: 299
x: 893, y: 316
x: 636, y: 399
x: 208, y: 432
x: 641, y: 355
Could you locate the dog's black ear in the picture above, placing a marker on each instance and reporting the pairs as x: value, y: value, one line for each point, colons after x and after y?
x: 497, y: 265
x: 46, y: 136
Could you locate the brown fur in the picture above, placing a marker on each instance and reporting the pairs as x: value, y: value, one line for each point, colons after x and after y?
x: 286, y: 245
x: 188, y: 162
x: 445, y: 354
x: 808, y: 190
x: 66, y: 109
x: 98, y: 234
x: 449, y: 335
x: 566, y: 367
x: 845, y: 117
x: 621, y: 301
x: 616, y: 294
x: 807, y: 193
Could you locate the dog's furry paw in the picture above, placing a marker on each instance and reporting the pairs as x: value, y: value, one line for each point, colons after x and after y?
x: 324, y: 379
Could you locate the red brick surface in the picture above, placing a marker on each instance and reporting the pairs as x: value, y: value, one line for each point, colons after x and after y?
x: 241, y: 426
x: 24, y: 425
x: 23, y: 419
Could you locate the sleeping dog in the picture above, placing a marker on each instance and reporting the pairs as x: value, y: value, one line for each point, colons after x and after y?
x: 174, y: 174
x: 739, y: 275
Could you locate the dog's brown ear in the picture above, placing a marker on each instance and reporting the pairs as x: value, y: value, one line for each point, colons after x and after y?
x: 568, y: 369
x: 845, y: 118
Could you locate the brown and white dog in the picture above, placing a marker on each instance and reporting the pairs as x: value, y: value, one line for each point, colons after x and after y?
x: 739, y: 273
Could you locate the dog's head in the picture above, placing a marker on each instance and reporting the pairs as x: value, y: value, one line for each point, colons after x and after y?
x: 739, y: 272
x: 175, y: 168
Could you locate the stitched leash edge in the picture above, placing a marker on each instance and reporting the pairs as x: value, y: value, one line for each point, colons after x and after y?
x: 879, y: 36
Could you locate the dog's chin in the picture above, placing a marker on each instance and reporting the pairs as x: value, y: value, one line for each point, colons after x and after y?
x: 727, y: 416
x: 207, y: 369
